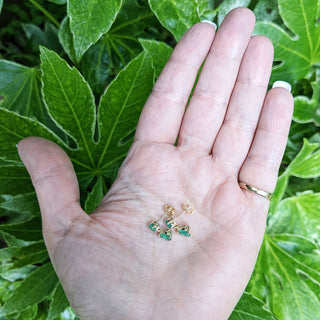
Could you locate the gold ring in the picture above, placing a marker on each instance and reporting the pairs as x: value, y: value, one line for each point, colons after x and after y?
x: 260, y: 192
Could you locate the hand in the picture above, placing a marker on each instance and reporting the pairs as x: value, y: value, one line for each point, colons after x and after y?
x: 111, y: 265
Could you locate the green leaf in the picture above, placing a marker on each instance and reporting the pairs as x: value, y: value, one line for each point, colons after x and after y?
x: 30, y: 254
x: 279, y: 192
x: 29, y: 314
x: 95, y: 196
x: 287, y: 277
x: 228, y: 5
x: 308, y: 110
x: 20, y: 90
x: 47, y: 37
x: 299, y: 52
x: 29, y: 230
x: 14, y: 128
x: 298, y: 215
x: 89, y: 20
x: 267, y: 10
x: 22, y: 203
x: 69, y: 100
x: 159, y: 52
x: 307, y: 163
x: 35, y: 288
x: 16, y: 274
x: 58, y: 303
x: 179, y: 16
x: 251, y: 308
x: 66, y: 39
x: 14, y: 180
x: 1, y: 4
x: 119, y: 110
x: 103, y: 61
x: 58, y: 1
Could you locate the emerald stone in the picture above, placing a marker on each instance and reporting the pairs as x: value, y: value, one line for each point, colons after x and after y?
x: 184, y: 230
x: 170, y: 223
x: 165, y: 234
x: 154, y: 225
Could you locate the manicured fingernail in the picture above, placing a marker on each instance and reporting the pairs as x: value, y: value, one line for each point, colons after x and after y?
x: 210, y: 22
x: 282, y: 84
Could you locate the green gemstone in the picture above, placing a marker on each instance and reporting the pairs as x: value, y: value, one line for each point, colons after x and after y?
x: 184, y: 231
x: 153, y: 226
x: 167, y: 222
x: 166, y: 234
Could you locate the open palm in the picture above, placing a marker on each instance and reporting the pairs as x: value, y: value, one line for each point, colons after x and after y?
x: 111, y: 265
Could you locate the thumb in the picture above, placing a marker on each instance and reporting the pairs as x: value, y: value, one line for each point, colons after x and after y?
x: 56, y: 185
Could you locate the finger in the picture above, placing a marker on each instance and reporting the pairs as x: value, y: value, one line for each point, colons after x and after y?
x: 160, y: 119
x: 261, y: 166
x: 209, y: 101
x: 235, y: 136
x: 56, y: 185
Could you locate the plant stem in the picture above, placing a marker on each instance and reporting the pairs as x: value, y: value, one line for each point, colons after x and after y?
x: 45, y: 12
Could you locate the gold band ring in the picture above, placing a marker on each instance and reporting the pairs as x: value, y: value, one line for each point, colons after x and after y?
x: 260, y: 192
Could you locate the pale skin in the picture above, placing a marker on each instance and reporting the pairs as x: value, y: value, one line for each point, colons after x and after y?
x: 111, y: 265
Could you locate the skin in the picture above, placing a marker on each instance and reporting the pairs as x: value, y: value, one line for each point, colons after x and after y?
x: 110, y: 264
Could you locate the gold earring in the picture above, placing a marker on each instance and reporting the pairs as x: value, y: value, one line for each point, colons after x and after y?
x: 171, y: 223
x: 165, y: 234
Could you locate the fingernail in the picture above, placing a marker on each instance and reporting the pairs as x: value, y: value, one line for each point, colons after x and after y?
x: 282, y: 84
x: 210, y: 22
x: 17, y: 145
x: 254, y: 34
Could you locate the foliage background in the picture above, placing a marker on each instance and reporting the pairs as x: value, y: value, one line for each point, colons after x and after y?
x: 88, y: 82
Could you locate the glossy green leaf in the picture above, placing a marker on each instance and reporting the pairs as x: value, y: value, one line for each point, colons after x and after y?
x: 29, y: 230
x: 251, y: 308
x: 58, y: 303
x: 179, y: 16
x: 279, y: 191
x: 20, y: 90
x: 227, y: 5
x: 287, y: 277
x: 69, y: 100
x: 120, y: 108
x: 299, y: 52
x: 159, y: 52
x: 89, y: 20
x: 66, y: 39
x: 14, y: 128
x: 298, y: 215
x: 95, y: 196
x: 307, y: 163
x: 35, y: 288
x: 1, y: 4
x: 308, y: 110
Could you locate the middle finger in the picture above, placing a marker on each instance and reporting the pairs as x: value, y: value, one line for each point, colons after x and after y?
x: 209, y: 101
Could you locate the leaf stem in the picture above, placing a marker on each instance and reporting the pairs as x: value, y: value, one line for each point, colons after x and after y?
x: 45, y: 12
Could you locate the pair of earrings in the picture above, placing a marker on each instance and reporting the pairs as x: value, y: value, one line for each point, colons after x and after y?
x: 170, y: 222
